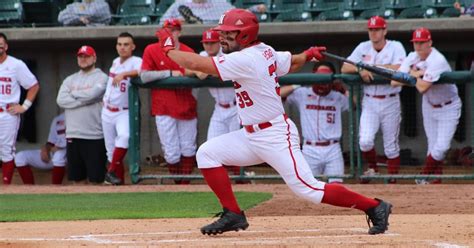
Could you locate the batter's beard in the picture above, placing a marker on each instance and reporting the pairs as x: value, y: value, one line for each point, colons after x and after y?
x: 87, y: 68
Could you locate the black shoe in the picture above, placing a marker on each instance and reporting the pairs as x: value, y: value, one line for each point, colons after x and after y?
x: 228, y: 221
x: 111, y: 178
x: 379, y: 217
x: 188, y: 15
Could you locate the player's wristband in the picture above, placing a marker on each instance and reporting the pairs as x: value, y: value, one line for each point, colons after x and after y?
x: 26, y: 104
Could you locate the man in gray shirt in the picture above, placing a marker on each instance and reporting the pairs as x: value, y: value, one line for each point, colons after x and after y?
x: 86, y: 13
x: 81, y: 96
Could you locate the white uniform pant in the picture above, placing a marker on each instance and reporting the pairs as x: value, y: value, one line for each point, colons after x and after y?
x: 177, y: 137
x: 223, y: 120
x: 277, y: 145
x: 440, y: 125
x: 325, y: 160
x: 116, y: 129
x: 33, y: 158
x: 380, y: 113
x: 9, y: 125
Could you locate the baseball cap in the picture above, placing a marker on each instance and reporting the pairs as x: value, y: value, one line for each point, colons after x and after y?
x: 421, y: 34
x: 86, y: 50
x: 376, y: 22
x: 323, y: 70
x: 172, y: 23
x: 210, y: 36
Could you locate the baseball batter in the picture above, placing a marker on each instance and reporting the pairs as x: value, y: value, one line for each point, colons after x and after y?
x: 224, y: 119
x: 52, y: 156
x: 381, y: 103
x: 268, y: 134
x: 320, y: 110
x: 13, y: 74
x: 115, y: 123
x: 174, y: 109
x: 441, y: 106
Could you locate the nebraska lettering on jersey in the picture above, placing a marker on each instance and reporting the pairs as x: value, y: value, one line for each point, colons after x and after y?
x: 319, y: 107
x: 255, y: 71
x: 14, y: 74
x: 5, y: 79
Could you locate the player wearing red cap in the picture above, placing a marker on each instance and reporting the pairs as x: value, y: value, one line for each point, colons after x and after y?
x: 320, y: 109
x: 268, y: 134
x: 80, y: 96
x: 174, y: 109
x: 381, y: 103
x: 441, y: 104
x: 13, y: 75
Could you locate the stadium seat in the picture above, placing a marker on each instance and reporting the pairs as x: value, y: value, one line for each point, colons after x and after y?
x: 366, y: 4
x: 318, y: 6
x: 161, y: 7
x: 40, y: 12
x: 450, y: 12
x: 11, y: 13
x: 290, y: 10
x: 440, y: 3
x: 402, y: 4
x: 134, y: 20
x: 135, y: 12
x: 385, y: 13
x: 412, y: 13
x: 294, y: 17
x: 245, y: 4
x: 335, y: 15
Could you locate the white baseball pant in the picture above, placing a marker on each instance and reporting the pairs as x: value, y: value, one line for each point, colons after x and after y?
x: 177, y: 137
x: 440, y: 125
x: 9, y: 125
x: 116, y: 129
x: 277, y: 145
x: 384, y: 114
x: 325, y: 160
x: 33, y: 158
x: 223, y: 120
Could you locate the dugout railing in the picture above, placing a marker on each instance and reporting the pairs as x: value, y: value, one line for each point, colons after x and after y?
x: 354, y: 86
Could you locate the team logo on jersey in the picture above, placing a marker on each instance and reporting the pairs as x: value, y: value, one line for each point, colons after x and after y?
x: 221, y: 59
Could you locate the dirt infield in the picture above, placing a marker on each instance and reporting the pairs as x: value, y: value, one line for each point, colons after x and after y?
x: 423, y: 216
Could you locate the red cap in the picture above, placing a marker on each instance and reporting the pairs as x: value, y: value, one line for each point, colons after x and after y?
x: 210, y: 36
x: 86, y: 50
x: 323, y: 70
x: 421, y: 34
x: 172, y: 23
x: 376, y: 22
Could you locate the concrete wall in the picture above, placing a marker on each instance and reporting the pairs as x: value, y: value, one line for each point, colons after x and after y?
x: 53, y: 51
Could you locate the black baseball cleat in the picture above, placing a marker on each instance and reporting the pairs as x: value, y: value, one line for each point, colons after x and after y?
x: 228, y: 221
x: 188, y: 15
x: 111, y: 178
x: 379, y: 217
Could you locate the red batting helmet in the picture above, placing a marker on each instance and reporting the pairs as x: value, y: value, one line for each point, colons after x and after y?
x: 210, y: 36
x: 322, y: 89
x: 240, y: 20
x: 172, y: 23
x: 421, y: 34
x: 376, y: 22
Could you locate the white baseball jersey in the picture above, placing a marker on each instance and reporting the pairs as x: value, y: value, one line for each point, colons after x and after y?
x: 434, y: 65
x: 320, y: 115
x: 57, y: 132
x: 221, y: 95
x: 257, y: 88
x: 117, y: 96
x: 392, y: 53
x: 13, y: 74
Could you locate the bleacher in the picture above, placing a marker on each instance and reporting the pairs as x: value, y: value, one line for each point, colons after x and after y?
x: 43, y: 13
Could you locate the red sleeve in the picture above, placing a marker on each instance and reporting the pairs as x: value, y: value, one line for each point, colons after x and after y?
x: 147, y: 60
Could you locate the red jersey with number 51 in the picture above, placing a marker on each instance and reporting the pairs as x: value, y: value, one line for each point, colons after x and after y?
x: 254, y: 72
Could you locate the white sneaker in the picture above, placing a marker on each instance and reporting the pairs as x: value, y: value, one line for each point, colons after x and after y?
x: 422, y: 181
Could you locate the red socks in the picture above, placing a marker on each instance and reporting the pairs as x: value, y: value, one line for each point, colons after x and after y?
x: 393, y: 165
x: 7, y: 171
x: 338, y: 195
x: 117, y: 158
x: 431, y: 165
x: 187, y: 167
x: 57, y: 174
x: 218, y: 180
x: 371, y: 158
x: 26, y: 174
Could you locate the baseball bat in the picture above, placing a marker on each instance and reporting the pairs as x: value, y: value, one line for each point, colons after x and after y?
x: 384, y: 72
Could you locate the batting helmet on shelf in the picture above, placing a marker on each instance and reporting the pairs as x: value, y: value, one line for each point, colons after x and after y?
x: 240, y: 20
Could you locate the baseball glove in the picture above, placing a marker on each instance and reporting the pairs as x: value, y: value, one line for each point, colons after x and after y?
x: 188, y: 15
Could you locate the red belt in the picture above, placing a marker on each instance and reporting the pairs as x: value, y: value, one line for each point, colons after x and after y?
x: 261, y: 126
x: 226, y: 105
x: 115, y: 109
x: 441, y: 104
x: 4, y: 109
x: 382, y: 96
x: 322, y: 143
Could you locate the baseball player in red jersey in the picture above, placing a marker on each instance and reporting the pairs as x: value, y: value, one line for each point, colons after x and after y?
x: 268, y: 134
x: 441, y: 104
x: 381, y: 103
x: 174, y: 109
x: 52, y: 156
x: 115, y: 121
x: 13, y: 75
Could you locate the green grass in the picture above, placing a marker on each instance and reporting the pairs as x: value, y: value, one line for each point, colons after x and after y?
x: 48, y: 207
